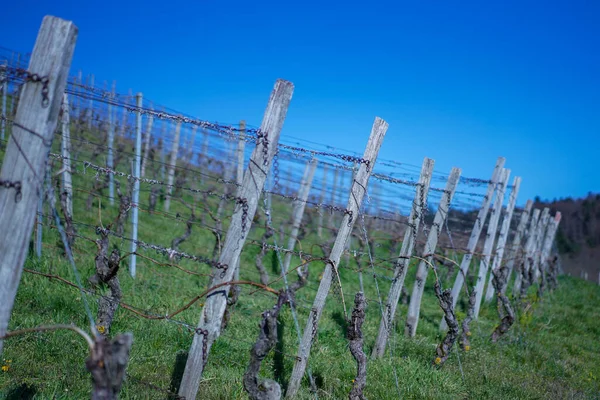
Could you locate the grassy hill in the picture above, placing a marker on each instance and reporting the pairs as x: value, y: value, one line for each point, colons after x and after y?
x: 551, y: 351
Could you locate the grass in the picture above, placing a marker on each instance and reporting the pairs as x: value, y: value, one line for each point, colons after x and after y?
x: 551, y: 351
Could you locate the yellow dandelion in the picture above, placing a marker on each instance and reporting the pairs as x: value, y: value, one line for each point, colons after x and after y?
x: 5, y: 368
x: 101, y: 328
x: 438, y: 360
x: 467, y: 348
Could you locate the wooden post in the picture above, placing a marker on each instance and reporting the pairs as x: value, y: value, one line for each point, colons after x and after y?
x: 322, y: 200
x: 545, y: 218
x: 474, y: 238
x: 172, y: 164
x: 209, y: 326
x: 147, y: 143
x: 14, y: 97
x: 40, y: 222
x: 516, y: 252
x: 4, y: 83
x: 357, y: 192
x: 163, y: 150
x: 419, y: 205
x: 488, y: 245
x: 190, y: 147
x: 111, y: 139
x: 414, y: 307
x: 502, y: 236
x: 336, y: 173
x: 135, y: 200
x: 239, y: 177
x: 124, y: 116
x: 548, y: 240
x: 91, y: 106
x: 27, y: 154
x: 298, y: 211
x: 523, y: 262
x: 67, y: 186
x: 204, y: 162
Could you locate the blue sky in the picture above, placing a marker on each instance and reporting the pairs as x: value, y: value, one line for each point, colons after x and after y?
x: 459, y: 82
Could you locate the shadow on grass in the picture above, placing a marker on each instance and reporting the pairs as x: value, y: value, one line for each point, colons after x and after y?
x: 21, y: 392
x: 177, y: 374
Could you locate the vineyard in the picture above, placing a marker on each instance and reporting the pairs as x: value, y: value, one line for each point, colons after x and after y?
x: 152, y: 254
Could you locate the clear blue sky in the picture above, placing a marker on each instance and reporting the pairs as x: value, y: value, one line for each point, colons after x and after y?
x: 460, y: 82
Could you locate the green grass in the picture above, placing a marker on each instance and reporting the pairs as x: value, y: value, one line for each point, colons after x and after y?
x: 551, y: 351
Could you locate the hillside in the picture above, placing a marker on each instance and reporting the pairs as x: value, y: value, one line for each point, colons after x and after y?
x: 578, y: 237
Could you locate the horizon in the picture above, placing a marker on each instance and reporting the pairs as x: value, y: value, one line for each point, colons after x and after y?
x: 529, y: 98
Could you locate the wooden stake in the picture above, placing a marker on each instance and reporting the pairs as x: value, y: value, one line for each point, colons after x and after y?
x: 4, y: 83
x: 488, y: 245
x: 298, y: 211
x: 543, y: 231
x: 516, y: 248
x: 414, y: 307
x: 209, y: 326
x: 322, y: 200
x: 419, y: 206
x: 27, y: 153
x: 172, y: 164
x: 111, y: 139
x: 474, y: 238
x: 67, y: 185
x: 523, y: 262
x: 135, y: 201
x: 147, y: 143
x: 502, y: 236
x: 357, y: 193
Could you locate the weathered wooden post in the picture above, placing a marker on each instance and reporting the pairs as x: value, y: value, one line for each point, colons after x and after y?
x: 172, y: 164
x: 111, y: 139
x: 90, y: 113
x: 39, y: 225
x: 523, y: 262
x: 163, y: 149
x: 488, y: 245
x: 516, y: 248
x: 547, y: 247
x: 331, y: 223
x: 545, y: 218
x: 67, y: 185
x: 419, y: 206
x: 357, y: 193
x: 239, y: 178
x: 414, y: 307
x: 209, y: 326
x: 322, y: 200
x: 298, y: 211
x: 147, y: 143
x: 4, y: 83
x: 135, y: 198
x: 502, y: 236
x: 474, y: 237
x: 22, y: 174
